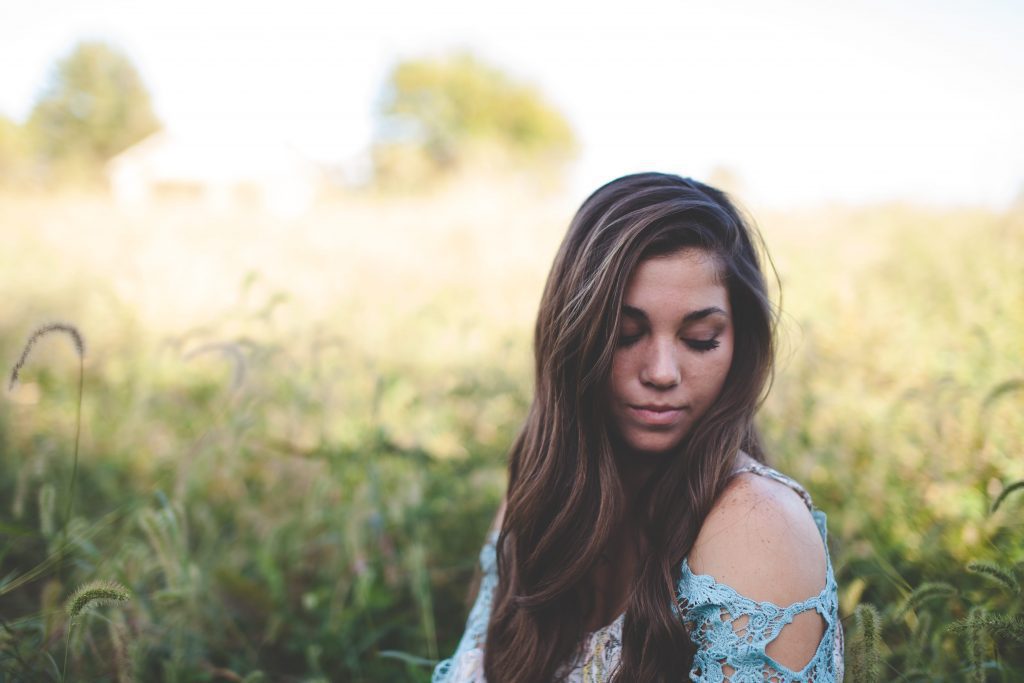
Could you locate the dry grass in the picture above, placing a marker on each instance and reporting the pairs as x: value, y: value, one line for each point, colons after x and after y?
x: 295, y: 428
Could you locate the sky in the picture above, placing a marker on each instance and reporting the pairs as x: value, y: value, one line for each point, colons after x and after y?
x: 805, y: 102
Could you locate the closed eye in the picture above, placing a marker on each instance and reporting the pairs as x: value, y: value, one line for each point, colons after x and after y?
x: 699, y: 345
x: 702, y: 345
x: 629, y: 340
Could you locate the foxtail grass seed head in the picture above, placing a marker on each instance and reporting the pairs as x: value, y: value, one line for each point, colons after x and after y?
x: 1015, y: 486
x: 1000, y: 626
x: 95, y: 594
x: 869, y: 621
x: 976, y: 643
x: 997, y: 574
x: 866, y: 660
x: 1009, y: 628
x: 927, y: 591
x: 39, y: 333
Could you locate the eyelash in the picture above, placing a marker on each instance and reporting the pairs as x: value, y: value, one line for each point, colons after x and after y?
x: 698, y: 345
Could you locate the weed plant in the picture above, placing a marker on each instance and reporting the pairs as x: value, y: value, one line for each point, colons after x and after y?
x: 296, y: 499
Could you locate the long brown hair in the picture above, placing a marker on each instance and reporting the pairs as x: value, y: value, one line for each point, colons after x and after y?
x: 564, y: 494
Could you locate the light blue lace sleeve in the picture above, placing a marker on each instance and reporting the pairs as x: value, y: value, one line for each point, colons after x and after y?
x: 467, y: 662
x: 732, y: 631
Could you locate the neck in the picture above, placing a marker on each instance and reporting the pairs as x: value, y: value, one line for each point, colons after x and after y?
x: 634, y: 475
x: 636, y: 468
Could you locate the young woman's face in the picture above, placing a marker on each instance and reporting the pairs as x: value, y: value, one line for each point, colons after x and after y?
x: 674, y: 349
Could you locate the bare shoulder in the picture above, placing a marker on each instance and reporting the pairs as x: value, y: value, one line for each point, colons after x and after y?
x: 761, y: 540
x: 499, y: 516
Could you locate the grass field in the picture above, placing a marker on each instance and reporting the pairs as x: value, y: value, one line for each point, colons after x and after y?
x: 293, y: 431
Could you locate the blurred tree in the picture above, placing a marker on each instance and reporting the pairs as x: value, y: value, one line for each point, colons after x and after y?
x: 445, y: 114
x: 15, y: 153
x: 94, y: 107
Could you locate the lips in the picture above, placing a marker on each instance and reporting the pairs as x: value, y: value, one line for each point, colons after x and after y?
x: 656, y: 415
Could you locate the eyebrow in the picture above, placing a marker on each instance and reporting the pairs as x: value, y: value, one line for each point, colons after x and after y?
x: 693, y: 316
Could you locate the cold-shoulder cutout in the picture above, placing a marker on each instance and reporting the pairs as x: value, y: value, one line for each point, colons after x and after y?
x: 733, y: 626
x: 757, y: 591
x: 751, y: 536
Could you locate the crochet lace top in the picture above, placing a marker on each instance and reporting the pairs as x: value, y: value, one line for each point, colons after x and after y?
x: 726, y: 651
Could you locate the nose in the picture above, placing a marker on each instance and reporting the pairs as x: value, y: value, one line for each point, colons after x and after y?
x: 661, y: 368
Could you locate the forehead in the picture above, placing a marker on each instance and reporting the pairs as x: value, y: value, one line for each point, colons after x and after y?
x: 677, y: 283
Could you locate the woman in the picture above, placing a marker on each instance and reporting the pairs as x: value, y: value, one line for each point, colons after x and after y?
x: 643, y: 538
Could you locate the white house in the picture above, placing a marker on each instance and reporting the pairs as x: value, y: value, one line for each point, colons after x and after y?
x: 219, y: 169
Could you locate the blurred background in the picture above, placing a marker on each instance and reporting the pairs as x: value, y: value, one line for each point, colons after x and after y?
x: 304, y: 244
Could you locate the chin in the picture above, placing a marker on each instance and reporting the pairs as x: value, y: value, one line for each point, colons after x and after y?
x: 654, y: 446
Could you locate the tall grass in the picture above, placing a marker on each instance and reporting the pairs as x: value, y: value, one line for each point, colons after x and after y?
x: 293, y: 473
x: 46, y: 493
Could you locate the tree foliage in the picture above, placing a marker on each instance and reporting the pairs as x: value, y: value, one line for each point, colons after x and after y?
x: 94, y: 106
x: 15, y: 152
x: 439, y: 114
